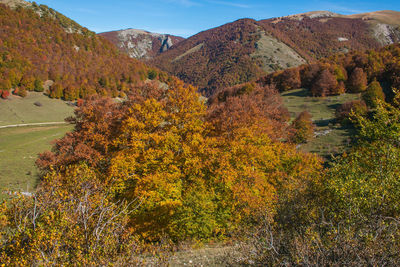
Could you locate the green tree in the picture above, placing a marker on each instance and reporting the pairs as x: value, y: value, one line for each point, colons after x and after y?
x: 38, y: 85
x: 373, y: 93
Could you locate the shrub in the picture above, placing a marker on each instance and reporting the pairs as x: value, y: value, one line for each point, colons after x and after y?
x: 343, y: 113
x: 152, y: 74
x: 357, y: 81
x: 303, y: 128
x: 38, y: 86
x: 4, y: 94
x: 373, y: 93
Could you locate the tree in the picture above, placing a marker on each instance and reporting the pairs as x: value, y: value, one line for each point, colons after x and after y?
x: 289, y: 79
x: 193, y: 181
x: 325, y: 84
x: 38, y: 85
x: 357, y: 81
x: 373, y: 93
x: 20, y: 91
x: 346, y: 112
x: 303, y: 128
x: 152, y: 74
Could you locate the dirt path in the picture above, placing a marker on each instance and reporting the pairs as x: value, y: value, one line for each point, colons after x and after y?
x: 33, y: 124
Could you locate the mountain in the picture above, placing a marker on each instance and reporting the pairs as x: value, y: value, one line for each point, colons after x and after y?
x: 44, y: 11
x: 39, y: 46
x: 141, y: 44
x: 238, y: 52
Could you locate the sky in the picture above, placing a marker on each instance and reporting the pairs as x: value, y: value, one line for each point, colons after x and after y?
x: 188, y: 17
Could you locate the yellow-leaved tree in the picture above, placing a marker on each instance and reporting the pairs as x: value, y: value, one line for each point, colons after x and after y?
x: 195, y: 175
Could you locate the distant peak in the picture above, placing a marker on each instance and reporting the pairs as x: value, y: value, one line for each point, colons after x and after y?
x: 314, y: 14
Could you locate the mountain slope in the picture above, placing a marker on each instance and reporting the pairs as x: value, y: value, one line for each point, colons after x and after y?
x: 239, y: 51
x: 141, y: 44
x: 48, y: 46
x: 216, y: 57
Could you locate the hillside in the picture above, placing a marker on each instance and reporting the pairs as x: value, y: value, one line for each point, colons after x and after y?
x: 141, y: 44
x: 239, y: 51
x: 215, y: 58
x: 38, y: 44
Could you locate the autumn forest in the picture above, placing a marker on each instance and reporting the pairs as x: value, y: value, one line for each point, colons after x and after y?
x: 199, y: 149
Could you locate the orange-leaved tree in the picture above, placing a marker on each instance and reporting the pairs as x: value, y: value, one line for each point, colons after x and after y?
x: 196, y: 175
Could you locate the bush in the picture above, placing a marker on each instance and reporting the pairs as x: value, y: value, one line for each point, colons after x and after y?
x: 20, y: 91
x: 343, y: 113
x: 152, y: 74
x: 303, y: 128
x: 373, y: 93
x: 70, y: 220
x: 4, y: 94
x: 38, y: 86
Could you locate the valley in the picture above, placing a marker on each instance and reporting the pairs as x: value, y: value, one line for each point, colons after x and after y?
x: 253, y: 141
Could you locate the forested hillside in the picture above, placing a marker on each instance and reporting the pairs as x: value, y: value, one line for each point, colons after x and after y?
x: 165, y: 168
x: 34, y: 49
x: 242, y: 50
x: 351, y: 73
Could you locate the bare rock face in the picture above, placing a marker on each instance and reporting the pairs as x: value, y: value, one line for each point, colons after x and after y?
x: 386, y: 34
x: 15, y: 3
x: 141, y: 44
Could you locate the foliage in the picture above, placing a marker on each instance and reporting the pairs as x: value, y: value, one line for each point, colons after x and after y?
x: 38, y: 85
x: 329, y: 76
x: 4, y: 94
x: 324, y: 84
x: 246, y: 105
x: 71, y: 219
x: 345, y: 113
x: 350, y: 217
x: 195, y: 179
x: 373, y: 93
x: 224, y: 56
x: 51, y: 47
x: 303, y: 128
x: 357, y: 81
x: 384, y: 125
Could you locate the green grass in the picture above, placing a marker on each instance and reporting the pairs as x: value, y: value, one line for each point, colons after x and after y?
x: 332, y: 138
x: 19, y: 148
x: 16, y: 110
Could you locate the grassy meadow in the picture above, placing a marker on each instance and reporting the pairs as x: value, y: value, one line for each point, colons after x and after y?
x: 16, y: 110
x: 19, y: 146
x: 330, y: 138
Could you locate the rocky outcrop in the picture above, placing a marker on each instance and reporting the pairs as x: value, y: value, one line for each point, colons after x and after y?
x: 141, y: 44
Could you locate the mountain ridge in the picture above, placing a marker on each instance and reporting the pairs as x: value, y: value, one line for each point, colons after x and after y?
x: 248, y: 47
x: 141, y: 44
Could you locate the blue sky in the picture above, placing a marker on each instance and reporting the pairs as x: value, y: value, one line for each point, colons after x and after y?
x: 188, y: 17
